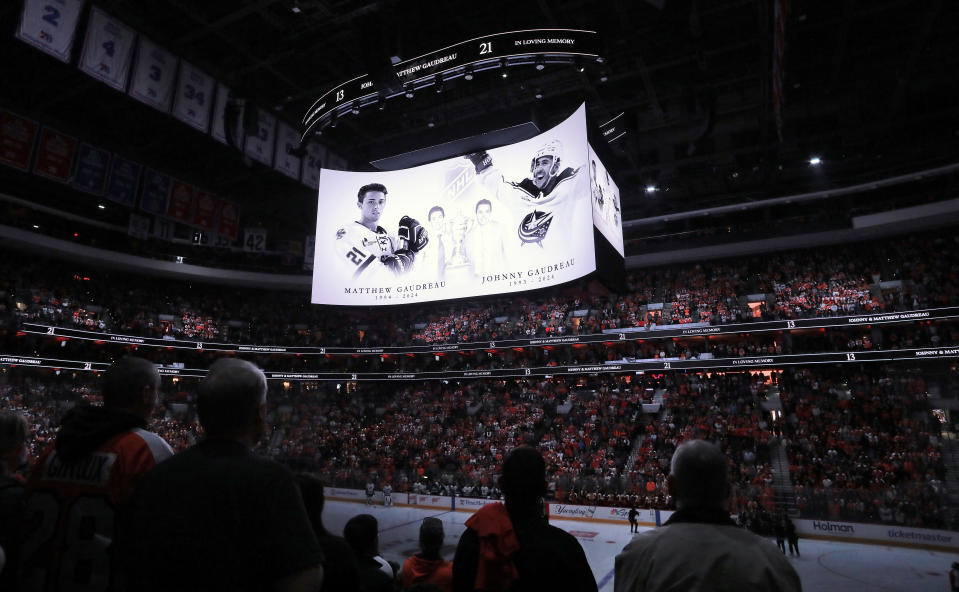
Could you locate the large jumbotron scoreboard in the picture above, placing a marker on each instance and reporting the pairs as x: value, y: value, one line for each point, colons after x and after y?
x: 510, y: 219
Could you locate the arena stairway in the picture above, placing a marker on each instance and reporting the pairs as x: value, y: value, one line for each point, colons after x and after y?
x: 950, y: 458
x: 784, y: 492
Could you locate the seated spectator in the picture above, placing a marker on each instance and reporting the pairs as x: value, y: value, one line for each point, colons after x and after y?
x: 700, y: 542
x: 512, y: 546
x: 428, y: 565
x: 216, y: 517
x: 361, y: 533
x: 340, y: 568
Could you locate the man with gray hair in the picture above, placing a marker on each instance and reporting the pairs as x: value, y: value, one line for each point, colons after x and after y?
x: 217, y: 517
x: 700, y: 547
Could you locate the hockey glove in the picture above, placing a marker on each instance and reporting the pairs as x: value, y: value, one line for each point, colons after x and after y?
x: 399, y: 262
x: 481, y: 160
x: 413, y: 233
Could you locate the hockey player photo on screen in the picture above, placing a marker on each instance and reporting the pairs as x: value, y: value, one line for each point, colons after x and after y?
x: 367, y: 250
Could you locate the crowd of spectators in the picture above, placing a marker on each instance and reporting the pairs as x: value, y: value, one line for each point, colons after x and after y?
x: 880, y: 460
x: 913, y: 272
x: 861, y: 446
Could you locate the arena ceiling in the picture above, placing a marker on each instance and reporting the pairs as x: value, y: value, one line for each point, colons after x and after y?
x: 869, y: 86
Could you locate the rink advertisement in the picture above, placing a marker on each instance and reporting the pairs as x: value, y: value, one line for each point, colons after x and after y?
x: 511, y: 219
x: 886, y: 534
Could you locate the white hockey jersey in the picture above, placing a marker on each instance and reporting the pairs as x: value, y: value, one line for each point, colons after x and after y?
x: 542, y: 216
x: 358, y: 250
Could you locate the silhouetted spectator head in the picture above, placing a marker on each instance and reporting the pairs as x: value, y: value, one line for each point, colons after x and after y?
x: 431, y: 536
x: 311, y: 489
x: 132, y: 384
x: 232, y: 401
x: 361, y: 533
x: 13, y: 442
x: 523, y: 481
x: 698, y: 476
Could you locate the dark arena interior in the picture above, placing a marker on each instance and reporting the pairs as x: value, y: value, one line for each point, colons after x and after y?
x: 600, y: 230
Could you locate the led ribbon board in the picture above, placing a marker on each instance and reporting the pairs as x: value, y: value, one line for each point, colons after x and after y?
x: 452, y: 61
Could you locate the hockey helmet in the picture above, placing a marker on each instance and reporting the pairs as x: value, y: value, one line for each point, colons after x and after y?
x: 554, y: 149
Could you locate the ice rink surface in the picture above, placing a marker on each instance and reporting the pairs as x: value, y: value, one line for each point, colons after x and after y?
x: 823, y: 565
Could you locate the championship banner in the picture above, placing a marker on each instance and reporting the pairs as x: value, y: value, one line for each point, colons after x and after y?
x: 123, y: 181
x: 259, y: 146
x: 181, y: 202
x: 607, y: 215
x: 156, y: 192
x: 153, y: 76
x: 17, y: 135
x: 206, y: 205
x: 220, y: 108
x: 92, y: 166
x: 194, y: 96
x: 107, y: 49
x: 513, y: 219
x: 229, y: 223
x: 287, y: 139
x: 49, y: 25
x: 55, y: 155
x: 313, y: 162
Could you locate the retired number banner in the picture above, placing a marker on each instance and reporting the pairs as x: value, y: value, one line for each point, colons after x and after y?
x: 259, y: 146
x: 287, y: 139
x: 107, y: 50
x: 312, y: 164
x: 194, y: 96
x: 153, y: 75
x: 50, y: 25
x: 513, y: 219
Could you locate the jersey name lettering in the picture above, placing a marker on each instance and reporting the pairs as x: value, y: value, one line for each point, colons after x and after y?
x: 93, y: 469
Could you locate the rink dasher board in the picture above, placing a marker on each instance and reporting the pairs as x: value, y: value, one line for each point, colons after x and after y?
x: 827, y: 530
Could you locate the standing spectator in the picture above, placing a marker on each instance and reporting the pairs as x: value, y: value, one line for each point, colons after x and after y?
x: 512, y: 546
x: 340, y: 569
x: 13, y: 455
x: 216, y: 517
x: 361, y: 533
x: 428, y: 565
x: 699, y: 542
x: 792, y: 536
x: 82, y: 483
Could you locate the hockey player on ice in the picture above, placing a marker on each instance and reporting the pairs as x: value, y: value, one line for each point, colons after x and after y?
x: 542, y: 200
x: 368, y: 250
